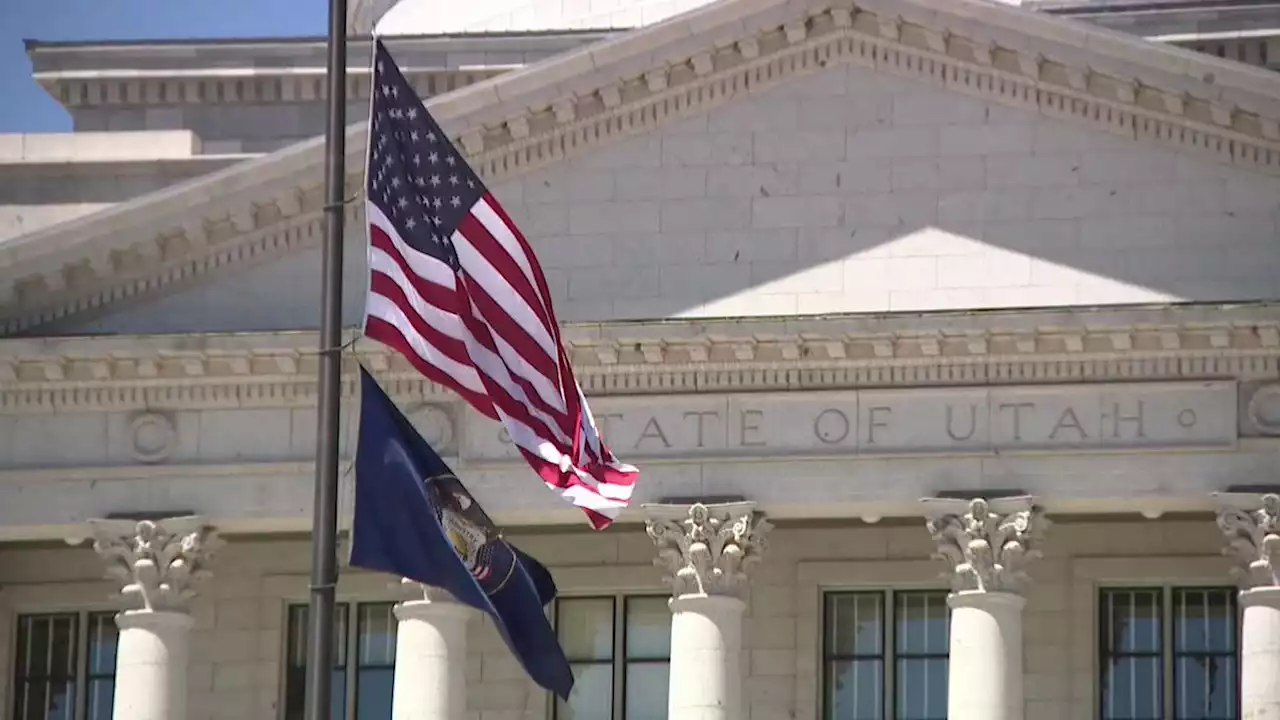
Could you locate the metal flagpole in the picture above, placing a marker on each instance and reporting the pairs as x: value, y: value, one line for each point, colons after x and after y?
x: 324, y: 526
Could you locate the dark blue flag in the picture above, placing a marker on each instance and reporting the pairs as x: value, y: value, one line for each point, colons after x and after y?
x: 415, y: 519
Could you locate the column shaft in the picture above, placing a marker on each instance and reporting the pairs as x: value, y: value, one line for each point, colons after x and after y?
x: 151, y: 665
x: 985, y: 681
x: 706, y: 658
x: 1260, y: 653
x: 431, y: 661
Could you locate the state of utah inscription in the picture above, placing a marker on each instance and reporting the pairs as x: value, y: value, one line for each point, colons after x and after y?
x: 917, y: 421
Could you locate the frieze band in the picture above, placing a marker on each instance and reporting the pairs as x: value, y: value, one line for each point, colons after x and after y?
x: 947, y: 420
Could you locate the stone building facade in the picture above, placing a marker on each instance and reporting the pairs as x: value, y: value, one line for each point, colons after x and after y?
x: 941, y: 333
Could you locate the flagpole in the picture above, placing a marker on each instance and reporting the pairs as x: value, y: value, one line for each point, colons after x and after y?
x: 324, y: 525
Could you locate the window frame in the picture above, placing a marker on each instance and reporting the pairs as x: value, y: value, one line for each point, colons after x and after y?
x: 888, y: 656
x: 351, y: 640
x: 1168, y: 652
x: 618, y: 660
x: 82, y: 618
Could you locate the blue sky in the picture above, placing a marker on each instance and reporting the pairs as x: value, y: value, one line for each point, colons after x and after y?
x: 27, y: 108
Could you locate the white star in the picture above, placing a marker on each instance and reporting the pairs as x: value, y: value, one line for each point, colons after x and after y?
x: 455, y: 201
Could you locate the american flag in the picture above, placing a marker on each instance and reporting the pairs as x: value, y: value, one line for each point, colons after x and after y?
x: 456, y: 289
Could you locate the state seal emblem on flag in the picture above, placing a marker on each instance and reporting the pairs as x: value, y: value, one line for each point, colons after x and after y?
x: 472, y: 534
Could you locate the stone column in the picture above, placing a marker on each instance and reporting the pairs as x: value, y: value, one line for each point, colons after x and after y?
x: 158, y: 563
x: 431, y: 655
x: 706, y: 551
x: 1251, y: 524
x: 988, y: 544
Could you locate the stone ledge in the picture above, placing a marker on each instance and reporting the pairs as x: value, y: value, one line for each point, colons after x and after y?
x: 78, y: 147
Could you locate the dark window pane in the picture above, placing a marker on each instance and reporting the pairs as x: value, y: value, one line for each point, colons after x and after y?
x: 1204, y: 620
x: 647, y: 689
x: 585, y: 628
x: 855, y: 689
x: 648, y: 629
x: 1131, y: 621
x: 855, y: 625
x: 296, y: 671
x: 373, y: 693
x: 1205, y: 665
x: 103, y: 638
x: 376, y: 657
x: 377, y: 631
x: 921, y: 644
x: 920, y: 624
x: 1206, y: 688
x: 922, y: 689
x: 1131, y: 689
x: 44, y: 667
x: 592, y: 696
x: 101, y: 696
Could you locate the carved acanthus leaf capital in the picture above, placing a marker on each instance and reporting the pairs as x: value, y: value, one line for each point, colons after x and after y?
x: 1251, y: 524
x: 158, y: 562
x: 987, y: 543
x: 707, y: 549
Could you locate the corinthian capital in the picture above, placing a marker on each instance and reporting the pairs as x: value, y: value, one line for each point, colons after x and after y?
x: 707, y: 549
x: 1251, y: 524
x: 988, y: 543
x: 158, y: 562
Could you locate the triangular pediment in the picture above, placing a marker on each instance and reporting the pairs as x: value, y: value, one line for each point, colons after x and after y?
x: 555, y: 123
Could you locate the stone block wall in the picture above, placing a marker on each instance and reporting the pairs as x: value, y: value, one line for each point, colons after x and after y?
x: 849, y: 191
x: 239, y: 642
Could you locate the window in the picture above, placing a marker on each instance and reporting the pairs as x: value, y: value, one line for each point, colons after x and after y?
x: 65, y: 666
x: 881, y: 667
x: 364, y: 694
x: 612, y: 685
x: 1168, y: 653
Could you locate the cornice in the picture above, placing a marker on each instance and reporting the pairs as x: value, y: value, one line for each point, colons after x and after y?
x: 233, y: 86
x: 279, y: 370
x: 604, y: 93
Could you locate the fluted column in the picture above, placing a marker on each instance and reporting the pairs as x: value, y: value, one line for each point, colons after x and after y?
x: 158, y: 564
x: 1251, y: 524
x: 706, y: 552
x: 431, y: 655
x: 987, y: 544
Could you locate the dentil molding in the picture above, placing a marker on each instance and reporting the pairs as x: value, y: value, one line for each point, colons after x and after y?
x: 279, y: 369
x: 781, y: 44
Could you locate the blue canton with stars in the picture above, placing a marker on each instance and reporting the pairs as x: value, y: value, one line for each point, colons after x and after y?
x: 416, y: 175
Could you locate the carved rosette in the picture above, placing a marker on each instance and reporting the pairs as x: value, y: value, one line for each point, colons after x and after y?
x: 988, y: 547
x: 1251, y: 524
x: 158, y: 562
x: 707, y: 549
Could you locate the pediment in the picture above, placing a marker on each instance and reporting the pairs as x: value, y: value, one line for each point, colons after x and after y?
x: 598, y: 100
